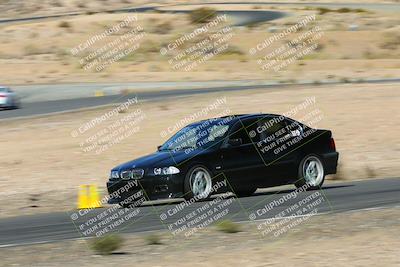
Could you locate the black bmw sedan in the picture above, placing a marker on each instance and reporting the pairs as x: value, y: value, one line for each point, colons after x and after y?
x: 237, y: 153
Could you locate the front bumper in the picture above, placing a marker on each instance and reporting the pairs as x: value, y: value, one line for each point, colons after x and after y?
x: 152, y: 187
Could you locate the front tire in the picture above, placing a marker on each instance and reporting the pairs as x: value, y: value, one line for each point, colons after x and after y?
x: 198, y: 183
x: 17, y: 106
x: 311, y: 172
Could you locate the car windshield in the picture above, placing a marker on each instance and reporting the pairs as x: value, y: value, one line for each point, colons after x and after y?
x: 200, y: 135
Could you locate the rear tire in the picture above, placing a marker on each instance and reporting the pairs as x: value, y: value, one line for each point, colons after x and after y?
x: 311, y: 172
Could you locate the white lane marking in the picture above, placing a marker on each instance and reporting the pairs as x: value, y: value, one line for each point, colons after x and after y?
x: 28, y: 243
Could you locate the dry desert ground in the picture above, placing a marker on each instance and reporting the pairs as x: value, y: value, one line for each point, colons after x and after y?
x: 354, y: 44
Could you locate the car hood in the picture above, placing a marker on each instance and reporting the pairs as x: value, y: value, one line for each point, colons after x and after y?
x: 157, y: 159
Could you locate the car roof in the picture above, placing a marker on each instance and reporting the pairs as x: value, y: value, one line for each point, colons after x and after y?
x: 236, y: 117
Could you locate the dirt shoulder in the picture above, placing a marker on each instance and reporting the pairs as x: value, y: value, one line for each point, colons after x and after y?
x: 361, y: 238
x: 42, y: 164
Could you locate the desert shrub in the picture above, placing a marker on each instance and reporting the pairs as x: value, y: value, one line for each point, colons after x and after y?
x: 252, y: 25
x: 317, y: 82
x: 4, y: 56
x: 228, y: 226
x: 81, y: 5
x: 57, y: 4
x: 163, y: 28
x: 64, y: 24
x: 368, y: 54
x: 61, y: 53
x: 344, y: 80
x: 391, y: 41
x: 32, y: 50
x: 348, y: 10
x: 319, y: 47
x: 323, y: 10
x: 332, y: 42
x: 149, y: 46
x: 370, y: 172
x: 344, y: 10
x: 233, y: 50
x: 360, y: 10
x: 202, y: 15
x: 33, y: 35
x: 153, y: 239
x: 106, y: 244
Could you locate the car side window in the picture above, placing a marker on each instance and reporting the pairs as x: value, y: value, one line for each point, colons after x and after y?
x: 243, y: 130
x: 272, y: 126
x: 273, y: 130
x: 294, y: 127
x: 217, y: 131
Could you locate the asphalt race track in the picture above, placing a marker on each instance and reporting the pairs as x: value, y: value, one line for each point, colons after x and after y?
x: 55, y: 106
x: 339, y: 197
x: 64, y: 105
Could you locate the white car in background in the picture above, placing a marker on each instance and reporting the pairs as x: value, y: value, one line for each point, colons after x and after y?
x: 8, y: 98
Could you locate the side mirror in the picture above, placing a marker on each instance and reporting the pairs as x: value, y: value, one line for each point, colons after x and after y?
x: 158, y: 148
x: 235, y: 142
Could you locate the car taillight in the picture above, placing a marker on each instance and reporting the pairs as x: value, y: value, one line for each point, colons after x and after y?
x: 2, y: 95
x: 332, y: 144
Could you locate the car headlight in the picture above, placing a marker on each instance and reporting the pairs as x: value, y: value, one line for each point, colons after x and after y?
x: 166, y: 170
x: 114, y: 175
